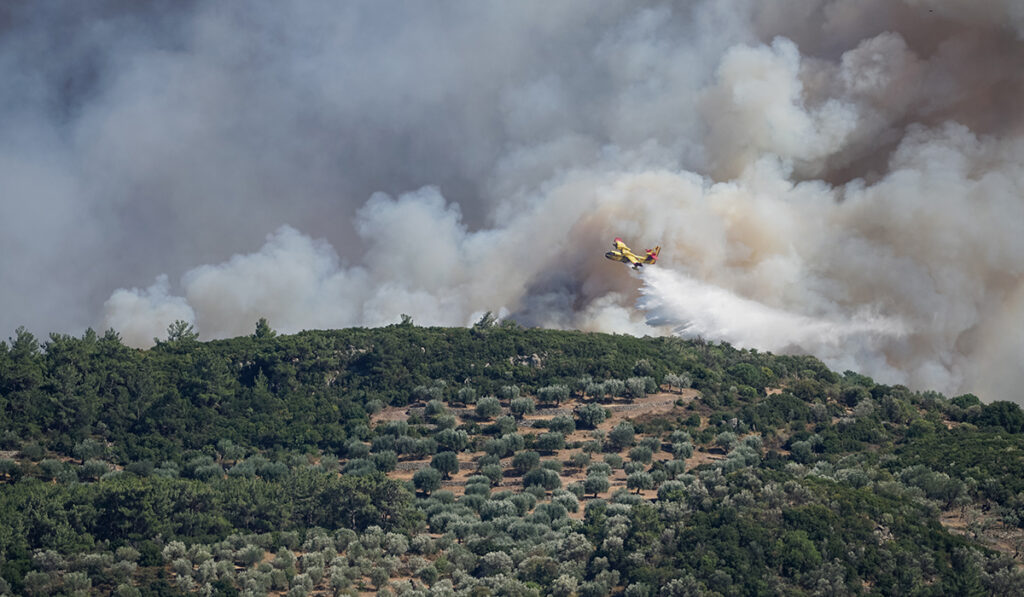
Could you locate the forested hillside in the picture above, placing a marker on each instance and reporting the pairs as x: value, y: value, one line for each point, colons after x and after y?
x: 493, y: 460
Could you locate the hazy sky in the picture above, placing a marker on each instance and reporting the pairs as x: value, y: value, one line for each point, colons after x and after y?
x: 840, y: 177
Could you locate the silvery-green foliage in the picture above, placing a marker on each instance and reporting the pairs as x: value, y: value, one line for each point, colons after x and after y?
x: 255, y: 580
x: 317, y: 540
x: 685, y: 586
x: 199, y: 554
x: 316, y: 573
x: 206, y: 572
x: 122, y: 570
x: 278, y: 580
x: 372, y: 537
x: 507, y: 585
x: 249, y: 555
x: 682, y: 450
x: 633, y: 467
x: 174, y: 550
x: 94, y: 563
x: 302, y: 580
x: 47, y: 560
x: 567, y: 501
x: 343, y: 538
x: 593, y: 588
x: 564, y: 586
x: 311, y: 559
x: 182, y: 567
x: 378, y: 577
x: 636, y: 558
x: 613, y: 546
x: 77, y: 581
x: 423, y: 544
x: 496, y: 562
x: 36, y: 582
x: 122, y: 590
x: 185, y: 583
x: 442, y: 588
x: 576, y: 547
x: 339, y: 578
x: 284, y: 558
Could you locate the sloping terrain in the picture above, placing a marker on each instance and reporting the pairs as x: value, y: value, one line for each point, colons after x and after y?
x: 492, y: 460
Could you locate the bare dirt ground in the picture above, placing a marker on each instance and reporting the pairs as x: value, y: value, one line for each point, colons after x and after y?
x: 986, y: 529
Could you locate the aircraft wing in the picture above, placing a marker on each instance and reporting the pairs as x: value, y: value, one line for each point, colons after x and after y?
x: 625, y: 255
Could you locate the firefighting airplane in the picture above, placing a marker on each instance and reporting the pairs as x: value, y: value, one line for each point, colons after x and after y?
x: 625, y: 255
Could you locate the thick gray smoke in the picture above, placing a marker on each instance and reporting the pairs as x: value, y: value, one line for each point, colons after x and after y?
x: 842, y: 177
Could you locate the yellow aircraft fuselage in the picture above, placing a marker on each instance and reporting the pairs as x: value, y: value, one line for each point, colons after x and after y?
x: 625, y: 255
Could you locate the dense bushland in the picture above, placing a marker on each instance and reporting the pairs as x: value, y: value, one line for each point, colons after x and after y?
x: 263, y: 463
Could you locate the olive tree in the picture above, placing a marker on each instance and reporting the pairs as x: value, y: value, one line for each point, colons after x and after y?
x: 488, y: 408
x: 446, y: 463
x: 590, y: 415
x: 622, y: 435
x: 522, y: 406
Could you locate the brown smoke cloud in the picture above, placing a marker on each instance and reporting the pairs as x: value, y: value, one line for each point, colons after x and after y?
x: 841, y: 177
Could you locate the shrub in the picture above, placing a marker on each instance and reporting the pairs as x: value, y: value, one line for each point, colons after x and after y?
x: 640, y: 454
x: 596, y: 483
x: 427, y: 480
x: 590, y: 415
x: 493, y: 472
x: 446, y: 463
x: 550, y: 441
x: 622, y: 435
x: 542, y: 477
x: 562, y: 424
x: 522, y: 406
x: 524, y: 462
x: 488, y: 408
x: 640, y: 480
x: 553, y: 394
x: 579, y: 459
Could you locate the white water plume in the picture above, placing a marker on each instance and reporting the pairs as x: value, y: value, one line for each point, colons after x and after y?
x: 695, y: 309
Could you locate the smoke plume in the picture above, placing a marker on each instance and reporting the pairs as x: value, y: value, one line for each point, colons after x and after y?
x: 842, y: 177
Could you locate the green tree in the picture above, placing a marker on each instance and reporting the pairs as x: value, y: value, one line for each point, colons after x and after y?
x: 427, y: 480
x: 89, y: 449
x: 595, y: 484
x: 622, y: 435
x: 181, y: 331
x: 590, y: 415
x: 263, y: 330
x: 795, y: 552
x: 553, y: 394
x: 550, y: 442
x: 526, y: 461
x: 452, y: 440
x: 522, y: 406
x: 562, y: 424
x: 446, y: 463
x: 542, y: 477
x: 488, y: 408
x: 640, y: 480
